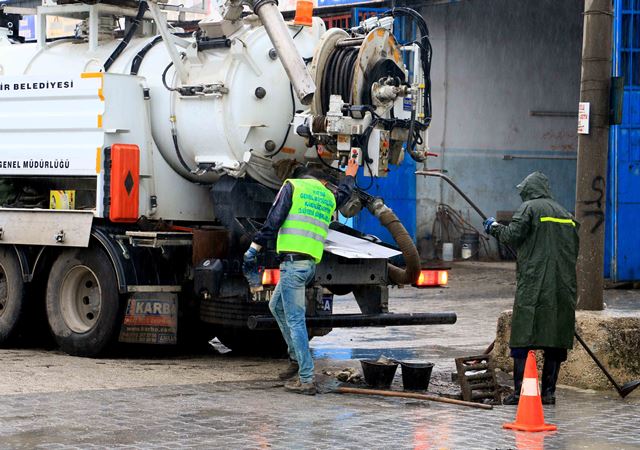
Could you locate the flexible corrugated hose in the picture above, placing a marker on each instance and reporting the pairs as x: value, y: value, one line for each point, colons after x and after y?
x: 388, y: 219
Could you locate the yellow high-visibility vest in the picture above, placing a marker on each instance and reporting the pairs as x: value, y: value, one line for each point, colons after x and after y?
x: 306, y: 226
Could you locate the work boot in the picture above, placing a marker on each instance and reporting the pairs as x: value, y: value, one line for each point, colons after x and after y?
x: 300, y: 388
x: 550, y: 371
x: 518, y: 373
x: 290, y: 371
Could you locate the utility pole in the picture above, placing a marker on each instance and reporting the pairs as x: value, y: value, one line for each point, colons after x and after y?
x: 593, y: 150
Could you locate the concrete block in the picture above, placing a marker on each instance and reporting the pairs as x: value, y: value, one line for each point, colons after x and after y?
x: 614, y: 336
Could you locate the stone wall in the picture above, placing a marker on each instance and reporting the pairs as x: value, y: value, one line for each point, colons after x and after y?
x: 614, y: 338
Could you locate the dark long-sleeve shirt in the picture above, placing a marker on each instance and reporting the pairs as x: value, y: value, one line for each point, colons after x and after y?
x: 281, y: 206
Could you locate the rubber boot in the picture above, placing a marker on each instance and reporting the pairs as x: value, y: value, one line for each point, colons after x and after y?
x: 550, y: 371
x: 518, y: 373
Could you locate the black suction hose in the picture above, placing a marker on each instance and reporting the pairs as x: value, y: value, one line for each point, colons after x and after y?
x: 142, y: 8
x: 388, y: 219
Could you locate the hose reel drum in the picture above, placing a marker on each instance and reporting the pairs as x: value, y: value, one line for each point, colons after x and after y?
x: 344, y: 66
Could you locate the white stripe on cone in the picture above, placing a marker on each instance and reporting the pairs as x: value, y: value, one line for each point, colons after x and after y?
x: 529, y: 387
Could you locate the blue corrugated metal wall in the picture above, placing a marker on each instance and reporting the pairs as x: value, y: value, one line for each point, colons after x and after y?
x: 399, y: 188
x: 622, y: 249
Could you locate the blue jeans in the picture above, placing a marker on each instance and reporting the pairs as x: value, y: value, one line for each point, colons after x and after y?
x: 288, y: 305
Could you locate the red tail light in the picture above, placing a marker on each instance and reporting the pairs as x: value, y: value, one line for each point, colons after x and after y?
x: 270, y: 277
x: 432, y: 278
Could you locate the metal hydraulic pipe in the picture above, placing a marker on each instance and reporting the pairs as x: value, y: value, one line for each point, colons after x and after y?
x: 167, y: 38
x: 360, y: 320
x: 427, y: 173
x: 349, y: 42
x: 455, y: 186
x: 291, y: 60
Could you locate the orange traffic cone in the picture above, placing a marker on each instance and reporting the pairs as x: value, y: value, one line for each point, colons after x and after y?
x: 530, y: 416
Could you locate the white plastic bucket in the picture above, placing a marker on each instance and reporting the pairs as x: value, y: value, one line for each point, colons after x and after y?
x: 466, y: 251
x: 447, y: 251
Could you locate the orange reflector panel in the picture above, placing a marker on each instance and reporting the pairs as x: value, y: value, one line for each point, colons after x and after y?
x: 432, y: 278
x: 270, y: 277
x: 124, y: 183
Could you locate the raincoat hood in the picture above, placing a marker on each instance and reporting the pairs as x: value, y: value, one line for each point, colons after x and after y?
x: 535, y: 185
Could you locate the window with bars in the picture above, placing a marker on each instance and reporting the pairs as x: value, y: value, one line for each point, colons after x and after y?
x: 630, y: 43
x: 341, y: 21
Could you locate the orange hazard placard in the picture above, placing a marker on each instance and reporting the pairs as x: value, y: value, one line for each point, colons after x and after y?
x: 124, y: 183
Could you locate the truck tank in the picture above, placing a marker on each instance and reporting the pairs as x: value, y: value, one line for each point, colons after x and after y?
x: 248, y: 112
x: 135, y: 168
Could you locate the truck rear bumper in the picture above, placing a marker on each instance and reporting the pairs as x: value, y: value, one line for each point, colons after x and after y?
x: 360, y: 320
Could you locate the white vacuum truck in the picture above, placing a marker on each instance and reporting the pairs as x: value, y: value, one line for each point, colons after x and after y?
x: 136, y: 165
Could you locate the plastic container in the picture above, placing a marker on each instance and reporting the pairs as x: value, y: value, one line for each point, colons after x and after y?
x: 447, y: 251
x: 465, y: 252
x: 416, y: 376
x: 472, y: 242
x: 378, y: 374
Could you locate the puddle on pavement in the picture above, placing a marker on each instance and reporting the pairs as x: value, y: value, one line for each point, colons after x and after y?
x: 402, y: 354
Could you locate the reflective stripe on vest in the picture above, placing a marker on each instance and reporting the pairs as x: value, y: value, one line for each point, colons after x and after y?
x: 306, y: 226
x: 557, y: 220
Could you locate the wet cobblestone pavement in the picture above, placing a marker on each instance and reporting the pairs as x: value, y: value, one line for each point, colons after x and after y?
x: 262, y: 415
x: 255, y: 412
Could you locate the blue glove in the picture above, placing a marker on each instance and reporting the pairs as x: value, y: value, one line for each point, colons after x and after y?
x: 250, y: 260
x: 250, y: 269
x: 488, y: 223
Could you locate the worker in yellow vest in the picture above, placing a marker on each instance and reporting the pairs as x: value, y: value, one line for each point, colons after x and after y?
x: 300, y: 216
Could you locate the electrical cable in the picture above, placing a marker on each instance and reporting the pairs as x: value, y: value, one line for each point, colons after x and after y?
x: 322, y: 159
x: 174, y: 136
x: 364, y: 145
x: 293, y: 115
x: 293, y: 109
x: 426, y: 52
x: 298, y: 32
x: 172, y: 116
x: 137, y: 60
x: 164, y: 77
x: 142, y: 8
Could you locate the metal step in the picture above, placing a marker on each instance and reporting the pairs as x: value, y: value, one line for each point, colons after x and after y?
x: 157, y: 239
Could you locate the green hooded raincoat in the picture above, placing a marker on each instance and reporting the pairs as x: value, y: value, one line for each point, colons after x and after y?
x: 546, y: 238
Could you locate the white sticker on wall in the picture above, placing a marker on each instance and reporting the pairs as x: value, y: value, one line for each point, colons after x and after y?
x: 583, y: 117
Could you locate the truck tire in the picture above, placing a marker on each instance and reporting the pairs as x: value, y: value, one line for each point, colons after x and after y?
x: 12, y: 295
x: 83, y: 304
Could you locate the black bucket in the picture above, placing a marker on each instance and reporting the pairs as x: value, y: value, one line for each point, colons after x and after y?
x: 416, y: 376
x: 378, y: 374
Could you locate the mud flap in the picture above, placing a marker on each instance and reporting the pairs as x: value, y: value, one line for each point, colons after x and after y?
x: 151, y: 318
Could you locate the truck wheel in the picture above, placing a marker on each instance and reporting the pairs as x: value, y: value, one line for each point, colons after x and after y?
x: 83, y: 304
x: 12, y: 298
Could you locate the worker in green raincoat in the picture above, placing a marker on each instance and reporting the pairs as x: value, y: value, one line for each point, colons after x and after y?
x: 545, y: 236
